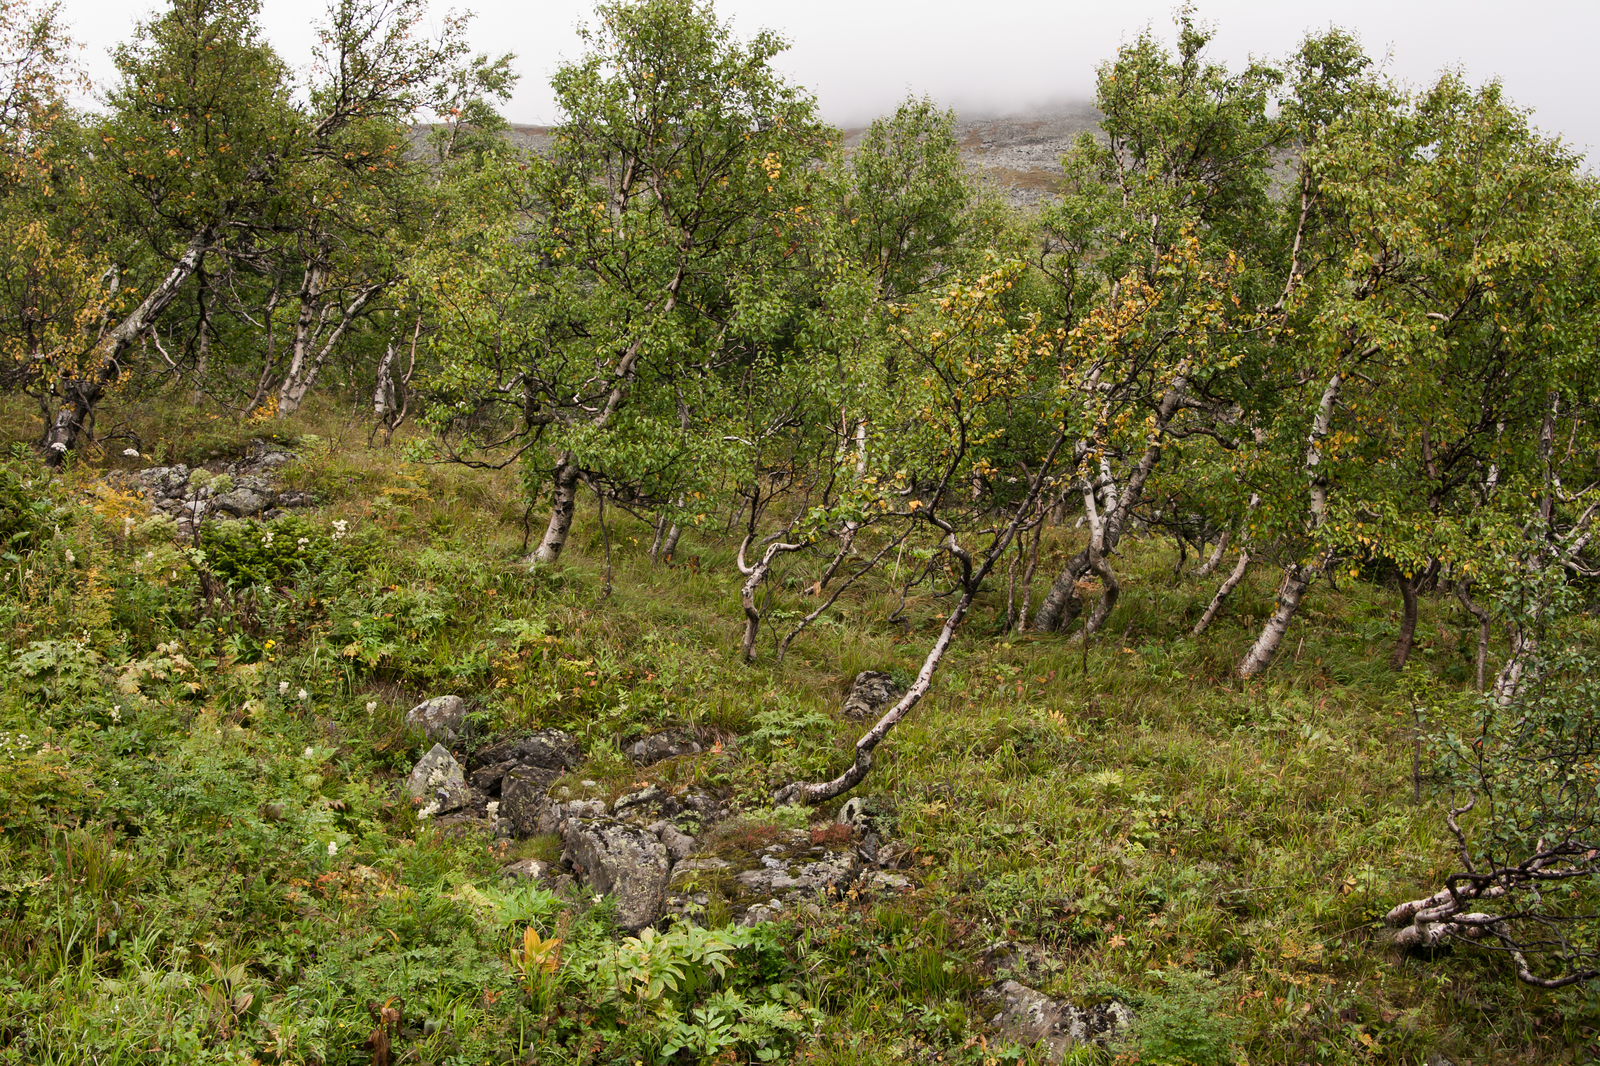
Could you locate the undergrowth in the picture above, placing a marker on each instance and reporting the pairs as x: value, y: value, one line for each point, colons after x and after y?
x: 204, y: 854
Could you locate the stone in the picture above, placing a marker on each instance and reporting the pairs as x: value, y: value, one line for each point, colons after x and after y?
x: 886, y: 883
x: 653, y: 749
x: 1028, y: 1017
x: 548, y: 749
x: 867, y: 814
x: 524, y: 802
x: 241, y: 503
x: 623, y: 861
x: 870, y: 692
x: 526, y: 870
x: 679, y: 844
x: 294, y: 499
x: 438, y: 781
x: 438, y: 718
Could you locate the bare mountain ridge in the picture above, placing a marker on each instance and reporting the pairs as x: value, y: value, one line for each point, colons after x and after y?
x: 1018, y: 155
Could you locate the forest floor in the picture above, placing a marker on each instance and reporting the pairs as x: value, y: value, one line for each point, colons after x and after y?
x: 205, y: 854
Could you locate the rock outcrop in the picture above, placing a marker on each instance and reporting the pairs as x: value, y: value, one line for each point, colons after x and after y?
x: 869, y: 694
x: 621, y: 860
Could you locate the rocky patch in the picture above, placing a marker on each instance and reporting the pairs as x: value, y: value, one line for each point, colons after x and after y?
x: 869, y: 694
x: 1025, y: 1016
x: 438, y: 781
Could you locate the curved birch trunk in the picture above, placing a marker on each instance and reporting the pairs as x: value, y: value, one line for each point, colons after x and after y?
x: 1485, y: 631
x: 563, y: 505
x: 1226, y: 590
x: 1296, y: 579
x: 754, y: 576
x: 821, y: 792
x: 80, y: 395
x: 1216, y: 556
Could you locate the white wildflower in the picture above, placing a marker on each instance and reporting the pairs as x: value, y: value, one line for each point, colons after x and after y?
x: 302, y: 542
x: 340, y: 528
x: 309, y: 753
x: 58, y: 447
x: 302, y: 695
x: 429, y: 811
x: 127, y: 526
x: 492, y: 810
x: 266, y: 538
x: 333, y: 849
x: 283, y: 686
x: 70, y: 557
x: 372, y: 705
x: 116, y: 712
x: 131, y: 453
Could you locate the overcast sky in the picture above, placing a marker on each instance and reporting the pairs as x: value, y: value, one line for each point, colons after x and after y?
x: 1008, y: 56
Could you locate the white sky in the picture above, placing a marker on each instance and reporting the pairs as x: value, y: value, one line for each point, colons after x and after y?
x: 1008, y: 56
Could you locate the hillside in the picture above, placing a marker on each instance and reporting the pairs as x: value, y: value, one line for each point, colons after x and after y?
x: 210, y: 849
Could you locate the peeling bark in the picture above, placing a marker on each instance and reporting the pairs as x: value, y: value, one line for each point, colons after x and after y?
x: 562, y: 507
x: 1216, y: 556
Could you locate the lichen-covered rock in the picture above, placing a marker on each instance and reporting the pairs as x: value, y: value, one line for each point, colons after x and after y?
x: 550, y: 750
x: 653, y: 749
x: 870, y: 692
x: 526, y: 870
x: 524, y: 802
x: 1028, y: 1017
x: 623, y: 861
x: 241, y: 503
x: 438, y: 718
x: 867, y: 814
x: 678, y: 843
x: 438, y: 781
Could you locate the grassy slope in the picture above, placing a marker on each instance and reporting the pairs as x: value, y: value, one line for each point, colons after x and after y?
x: 1215, y: 854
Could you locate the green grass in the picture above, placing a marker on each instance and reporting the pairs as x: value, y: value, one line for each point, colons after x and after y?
x: 1216, y: 854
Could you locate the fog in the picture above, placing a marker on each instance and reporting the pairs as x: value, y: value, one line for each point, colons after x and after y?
x: 1017, y: 56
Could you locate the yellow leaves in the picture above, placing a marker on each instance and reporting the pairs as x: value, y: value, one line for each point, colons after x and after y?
x: 536, y: 954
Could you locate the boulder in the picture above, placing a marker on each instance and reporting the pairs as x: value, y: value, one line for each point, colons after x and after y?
x: 294, y: 499
x: 549, y: 749
x: 1028, y: 1017
x: 870, y: 692
x: 523, y: 801
x: 623, y: 861
x: 438, y: 718
x: 438, y: 781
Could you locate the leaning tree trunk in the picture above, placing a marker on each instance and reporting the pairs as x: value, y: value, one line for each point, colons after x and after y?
x: 1216, y: 556
x: 1223, y: 593
x: 562, y: 508
x: 80, y: 395
x: 1296, y: 579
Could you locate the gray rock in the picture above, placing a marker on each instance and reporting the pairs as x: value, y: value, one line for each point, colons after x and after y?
x: 438, y: 718
x: 526, y: 870
x: 437, y: 778
x: 870, y: 692
x: 548, y: 749
x: 524, y: 803
x: 653, y: 749
x: 623, y: 861
x: 649, y: 794
x: 868, y: 814
x: 779, y: 872
x: 241, y: 503
x: 1031, y: 1018
x: 886, y: 883
x: 679, y: 844
x: 294, y: 499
